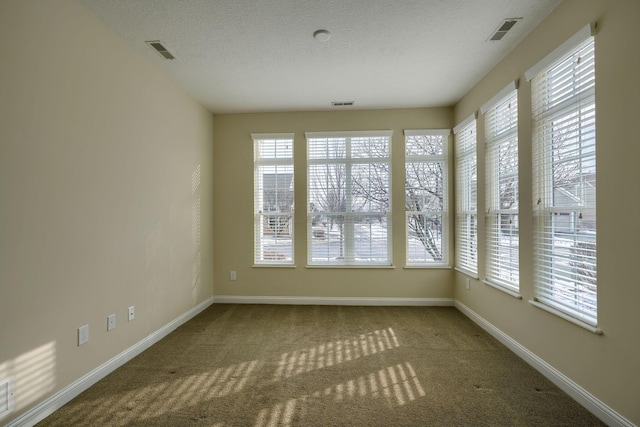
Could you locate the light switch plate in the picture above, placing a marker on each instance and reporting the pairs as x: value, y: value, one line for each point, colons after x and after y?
x: 111, y: 322
x: 83, y: 334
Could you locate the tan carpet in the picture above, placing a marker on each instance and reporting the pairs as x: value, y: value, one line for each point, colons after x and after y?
x: 267, y: 365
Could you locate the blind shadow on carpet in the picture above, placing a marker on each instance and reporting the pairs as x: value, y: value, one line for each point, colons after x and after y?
x: 272, y: 365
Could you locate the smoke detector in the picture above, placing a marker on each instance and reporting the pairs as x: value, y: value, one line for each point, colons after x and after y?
x: 322, y: 35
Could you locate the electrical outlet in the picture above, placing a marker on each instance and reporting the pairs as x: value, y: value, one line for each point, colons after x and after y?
x: 6, y: 396
x: 83, y: 335
x: 132, y: 313
x: 111, y: 322
x: 232, y: 275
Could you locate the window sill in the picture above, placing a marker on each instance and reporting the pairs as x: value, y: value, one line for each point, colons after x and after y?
x: 564, y: 316
x: 428, y: 267
x: 274, y: 266
x: 391, y: 267
x: 467, y: 273
x: 504, y: 289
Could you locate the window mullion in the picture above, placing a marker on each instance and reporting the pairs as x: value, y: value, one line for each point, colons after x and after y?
x: 348, y: 208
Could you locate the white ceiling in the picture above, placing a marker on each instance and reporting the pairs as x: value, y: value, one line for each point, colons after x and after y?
x: 260, y: 55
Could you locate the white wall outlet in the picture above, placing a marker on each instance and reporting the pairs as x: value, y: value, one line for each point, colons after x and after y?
x: 468, y: 284
x: 111, y: 322
x: 132, y: 313
x: 232, y: 275
x: 83, y: 335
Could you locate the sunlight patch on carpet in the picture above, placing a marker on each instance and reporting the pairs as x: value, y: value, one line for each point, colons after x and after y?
x: 335, y: 352
x: 397, y: 385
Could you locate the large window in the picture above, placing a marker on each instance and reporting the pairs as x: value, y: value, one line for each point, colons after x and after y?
x: 564, y: 144
x: 349, y: 198
x: 466, y: 197
x: 273, y: 199
x: 501, y: 193
x: 426, y: 203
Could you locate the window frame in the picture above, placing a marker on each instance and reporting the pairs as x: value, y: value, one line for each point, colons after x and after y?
x: 272, y: 163
x: 466, y: 168
x: 426, y: 160
x: 347, y: 216
x: 501, y: 136
x: 564, y: 130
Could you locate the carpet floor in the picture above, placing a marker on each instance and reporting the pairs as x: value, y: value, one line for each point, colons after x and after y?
x: 270, y: 365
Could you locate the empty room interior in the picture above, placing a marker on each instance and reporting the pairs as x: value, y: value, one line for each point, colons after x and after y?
x: 163, y: 161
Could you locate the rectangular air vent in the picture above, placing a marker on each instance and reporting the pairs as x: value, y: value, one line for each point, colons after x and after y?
x: 504, y: 27
x: 342, y: 103
x: 158, y: 47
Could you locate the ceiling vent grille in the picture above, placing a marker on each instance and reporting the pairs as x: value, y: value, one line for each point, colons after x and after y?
x: 342, y: 103
x: 503, y: 29
x: 158, y: 47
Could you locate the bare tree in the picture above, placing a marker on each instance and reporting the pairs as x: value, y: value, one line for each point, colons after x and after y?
x: 424, y: 183
x: 327, y: 193
x: 573, y: 160
x: 424, y: 192
x: 424, y: 195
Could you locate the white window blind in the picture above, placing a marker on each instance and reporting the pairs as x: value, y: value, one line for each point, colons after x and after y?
x: 273, y: 199
x: 349, y: 198
x: 564, y: 144
x: 426, y: 203
x: 466, y: 197
x: 501, y: 166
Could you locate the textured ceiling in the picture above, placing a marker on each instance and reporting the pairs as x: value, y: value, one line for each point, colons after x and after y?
x: 260, y: 55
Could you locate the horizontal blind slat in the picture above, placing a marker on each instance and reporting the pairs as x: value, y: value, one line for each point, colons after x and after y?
x: 348, y: 209
x: 565, y: 258
x: 273, y: 199
x: 466, y: 198
x: 501, y: 192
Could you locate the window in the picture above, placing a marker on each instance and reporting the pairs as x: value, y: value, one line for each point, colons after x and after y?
x: 426, y: 203
x: 564, y: 144
x: 349, y: 198
x: 273, y: 197
x: 501, y: 171
x: 466, y: 197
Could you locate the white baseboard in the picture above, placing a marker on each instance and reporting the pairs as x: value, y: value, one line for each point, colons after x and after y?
x: 582, y: 396
x: 236, y: 299
x: 579, y: 394
x: 62, y: 397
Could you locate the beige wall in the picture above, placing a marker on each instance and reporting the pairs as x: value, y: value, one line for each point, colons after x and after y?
x: 233, y: 209
x: 607, y: 366
x: 98, y: 157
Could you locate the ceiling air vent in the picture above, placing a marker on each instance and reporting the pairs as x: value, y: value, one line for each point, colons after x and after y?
x: 504, y: 27
x: 342, y: 103
x: 158, y: 47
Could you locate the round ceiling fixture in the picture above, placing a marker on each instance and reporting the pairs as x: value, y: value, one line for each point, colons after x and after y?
x: 322, y: 35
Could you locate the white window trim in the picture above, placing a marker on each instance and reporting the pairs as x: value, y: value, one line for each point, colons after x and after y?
x: 542, y: 206
x: 566, y: 47
x: 464, y: 123
x: 445, y: 263
x: 350, y: 240
x: 510, y: 287
x: 420, y: 132
x: 503, y: 93
x: 257, y: 212
x: 469, y: 270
